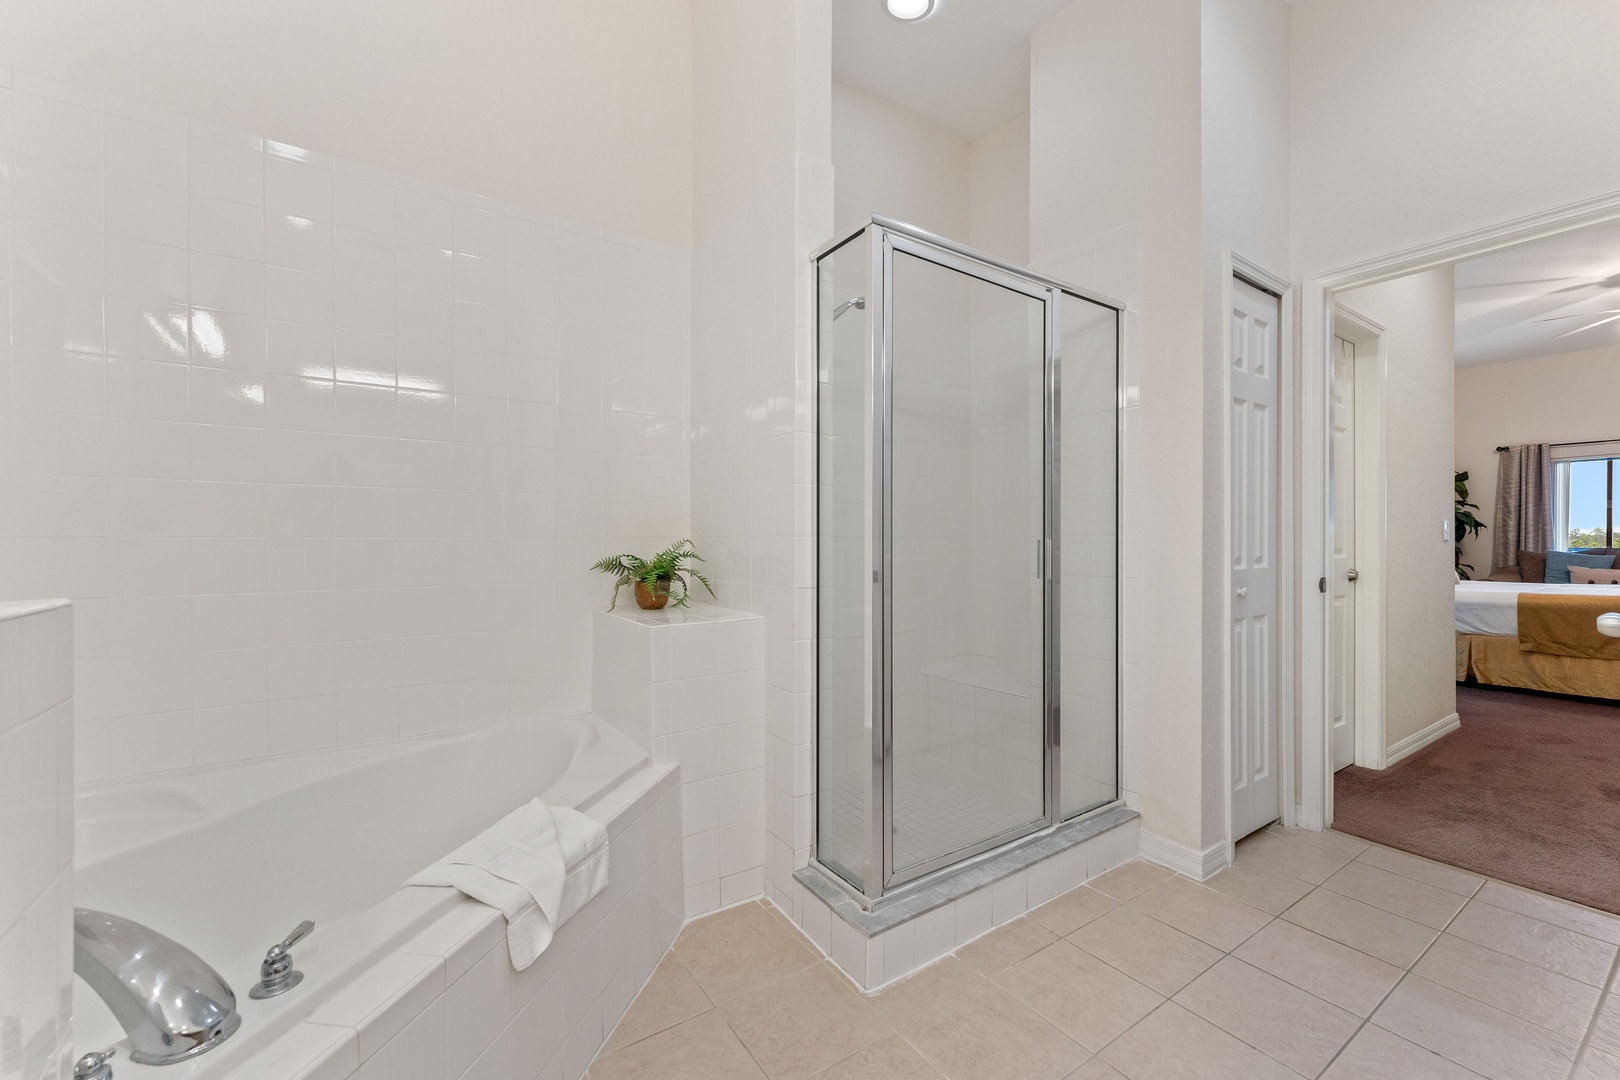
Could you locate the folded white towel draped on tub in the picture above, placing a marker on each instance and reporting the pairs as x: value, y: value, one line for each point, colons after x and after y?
x: 539, y: 865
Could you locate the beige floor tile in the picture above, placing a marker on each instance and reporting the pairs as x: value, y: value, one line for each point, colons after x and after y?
x: 670, y: 997
x: 1376, y: 1054
x: 1271, y: 893
x: 1072, y: 910
x: 1277, y: 1018
x: 890, y: 1058
x: 700, y: 926
x: 1372, y: 930
x: 1286, y: 851
x: 743, y: 955
x: 987, y: 1034
x: 1582, y: 920
x: 1406, y: 897
x: 922, y: 993
x: 1446, y: 877
x: 1334, y: 972
x: 1535, y: 994
x: 1004, y: 946
x: 1473, y: 1034
x: 1211, y: 917
x: 804, y: 1023
x: 1131, y: 879
x: 1159, y: 956
x: 1596, y: 1065
x: 1097, y: 1069
x: 1174, y: 1044
x: 1533, y: 941
x: 1606, y: 1031
x: 1337, y: 842
x: 702, y: 1048
x: 1080, y: 995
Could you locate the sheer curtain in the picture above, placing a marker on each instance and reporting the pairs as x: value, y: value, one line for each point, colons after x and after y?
x: 1523, y: 502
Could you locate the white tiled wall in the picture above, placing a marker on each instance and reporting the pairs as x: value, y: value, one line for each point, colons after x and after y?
x: 753, y: 446
x: 320, y: 452
x: 688, y: 684
x: 36, y: 840
x: 448, y: 1004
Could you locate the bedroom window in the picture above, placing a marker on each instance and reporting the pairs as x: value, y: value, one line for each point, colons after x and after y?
x: 1583, y: 504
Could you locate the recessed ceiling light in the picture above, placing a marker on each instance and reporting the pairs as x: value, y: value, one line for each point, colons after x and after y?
x: 910, y: 10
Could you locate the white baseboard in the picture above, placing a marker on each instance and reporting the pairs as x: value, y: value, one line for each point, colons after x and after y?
x: 1419, y: 739
x: 1190, y: 862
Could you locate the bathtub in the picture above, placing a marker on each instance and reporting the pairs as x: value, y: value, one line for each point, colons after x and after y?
x: 228, y: 860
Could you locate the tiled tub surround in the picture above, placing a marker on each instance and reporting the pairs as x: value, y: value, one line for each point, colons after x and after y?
x: 688, y: 684
x: 269, y: 843
x: 912, y: 931
x: 1315, y: 955
x: 36, y: 840
x: 321, y: 453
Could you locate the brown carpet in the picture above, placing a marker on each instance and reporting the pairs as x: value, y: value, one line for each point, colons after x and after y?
x: 1528, y: 791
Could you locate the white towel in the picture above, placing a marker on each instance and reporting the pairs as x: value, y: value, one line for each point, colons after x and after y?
x: 538, y: 864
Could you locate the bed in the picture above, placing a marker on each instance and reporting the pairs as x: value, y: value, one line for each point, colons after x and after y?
x: 1557, y: 650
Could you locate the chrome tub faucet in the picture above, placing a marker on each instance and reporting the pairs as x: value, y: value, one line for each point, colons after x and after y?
x: 172, y: 1005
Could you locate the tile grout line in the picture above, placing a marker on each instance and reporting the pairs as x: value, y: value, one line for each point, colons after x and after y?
x: 1597, y: 1013
x: 1390, y: 992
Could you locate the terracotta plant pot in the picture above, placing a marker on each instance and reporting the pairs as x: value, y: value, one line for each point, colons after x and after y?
x: 652, y: 599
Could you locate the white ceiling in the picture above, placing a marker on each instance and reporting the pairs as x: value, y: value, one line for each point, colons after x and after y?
x: 965, y: 67
x: 1513, y: 303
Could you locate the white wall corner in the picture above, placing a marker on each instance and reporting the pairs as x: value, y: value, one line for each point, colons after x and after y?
x: 1416, y: 741
x: 1184, y: 860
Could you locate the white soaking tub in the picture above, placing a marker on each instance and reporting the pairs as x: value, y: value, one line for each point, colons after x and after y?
x: 228, y: 860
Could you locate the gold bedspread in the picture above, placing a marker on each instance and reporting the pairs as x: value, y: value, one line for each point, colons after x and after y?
x: 1499, y: 661
x: 1559, y: 625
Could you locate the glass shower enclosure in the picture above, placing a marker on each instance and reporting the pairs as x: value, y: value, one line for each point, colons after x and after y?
x: 967, y: 585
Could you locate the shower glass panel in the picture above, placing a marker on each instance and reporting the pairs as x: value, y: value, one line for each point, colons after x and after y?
x: 967, y: 505
x: 966, y: 445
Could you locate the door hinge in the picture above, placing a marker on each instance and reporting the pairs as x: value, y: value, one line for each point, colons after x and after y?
x: 1321, y: 585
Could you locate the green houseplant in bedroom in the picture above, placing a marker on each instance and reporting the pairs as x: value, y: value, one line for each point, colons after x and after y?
x: 655, y: 579
x: 1467, y: 524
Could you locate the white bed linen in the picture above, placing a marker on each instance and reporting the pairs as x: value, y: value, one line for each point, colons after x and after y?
x: 1492, y: 607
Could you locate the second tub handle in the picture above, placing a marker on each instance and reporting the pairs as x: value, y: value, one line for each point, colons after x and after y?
x: 276, y: 974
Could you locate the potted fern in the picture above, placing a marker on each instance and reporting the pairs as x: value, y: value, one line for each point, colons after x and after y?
x: 655, y: 579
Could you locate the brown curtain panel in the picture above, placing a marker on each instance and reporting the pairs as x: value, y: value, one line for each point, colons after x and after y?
x: 1523, y: 502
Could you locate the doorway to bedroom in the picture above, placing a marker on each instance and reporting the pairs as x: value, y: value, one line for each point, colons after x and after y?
x: 1473, y: 700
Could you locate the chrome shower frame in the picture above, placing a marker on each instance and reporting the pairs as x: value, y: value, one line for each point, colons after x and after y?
x: 887, y: 236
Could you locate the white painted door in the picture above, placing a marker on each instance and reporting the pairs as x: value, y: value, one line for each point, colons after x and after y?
x: 1342, y: 693
x: 1253, y: 492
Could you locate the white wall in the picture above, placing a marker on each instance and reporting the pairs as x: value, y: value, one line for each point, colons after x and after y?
x: 1541, y: 399
x: 998, y: 191
x: 581, y: 109
x: 321, y: 452
x: 1115, y: 198
x: 36, y: 840
x: 1417, y: 313
x: 889, y: 161
x: 1417, y: 121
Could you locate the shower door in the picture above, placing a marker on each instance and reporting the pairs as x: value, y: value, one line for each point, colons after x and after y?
x: 966, y: 539
x: 966, y: 690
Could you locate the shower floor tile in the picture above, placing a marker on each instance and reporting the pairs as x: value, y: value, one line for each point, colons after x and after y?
x: 938, y: 809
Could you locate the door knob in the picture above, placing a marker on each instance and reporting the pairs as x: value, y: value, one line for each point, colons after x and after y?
x: 1242, y: 591
x: 1352, y: 574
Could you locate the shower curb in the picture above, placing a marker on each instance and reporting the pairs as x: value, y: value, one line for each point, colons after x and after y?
x: 889, y: 912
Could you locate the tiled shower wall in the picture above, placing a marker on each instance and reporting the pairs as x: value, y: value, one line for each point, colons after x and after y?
x: 320, y: 452
x: 36, y: 840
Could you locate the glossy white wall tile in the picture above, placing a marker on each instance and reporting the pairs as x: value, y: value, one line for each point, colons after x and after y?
x: 36, y: 840
x: 320, y: 452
